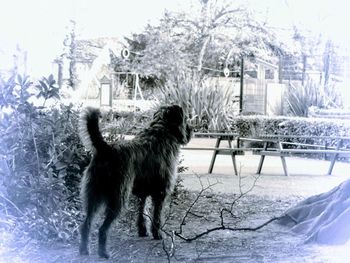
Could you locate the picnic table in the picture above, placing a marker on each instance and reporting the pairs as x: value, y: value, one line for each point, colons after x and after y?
x: 275, y: 145
x: 217, y: 150
x: 285, y: 146
x: 233, y: 149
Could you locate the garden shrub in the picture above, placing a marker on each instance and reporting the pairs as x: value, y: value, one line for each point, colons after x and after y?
x: 311, y: 94
x: 209, y: 107
x: 42, y: 161
x: 114, y: 125
x: 250, y: 126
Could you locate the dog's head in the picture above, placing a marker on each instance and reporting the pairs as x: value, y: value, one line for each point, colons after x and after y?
x: 175, y: 120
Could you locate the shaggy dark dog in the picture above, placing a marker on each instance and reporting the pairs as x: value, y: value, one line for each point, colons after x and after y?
x: 146, y: 165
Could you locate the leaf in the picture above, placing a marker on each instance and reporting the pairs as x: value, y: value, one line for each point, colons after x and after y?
x: 43, y: 86
x: 19, y: 79
x: 62, y: 173
x: 51, y: 79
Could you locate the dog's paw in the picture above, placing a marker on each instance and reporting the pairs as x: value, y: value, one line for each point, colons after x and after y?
x: 157, y: 235
x: 103, y: 253
x: 142, y: 231
x: 83, y: 251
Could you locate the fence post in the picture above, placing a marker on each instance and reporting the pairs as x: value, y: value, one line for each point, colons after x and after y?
x: 241, y: 86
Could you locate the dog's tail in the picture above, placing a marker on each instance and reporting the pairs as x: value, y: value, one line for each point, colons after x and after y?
x: 89, y: 130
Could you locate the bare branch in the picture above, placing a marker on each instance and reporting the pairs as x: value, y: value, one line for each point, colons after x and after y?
x: 202, y: 52
x: 169, y: 251
x: 222, y: 211
x: 190, y: 239
x: 13, y: 205
x: 187, y: 22
x: 199, y: 195
x: 224, y: 12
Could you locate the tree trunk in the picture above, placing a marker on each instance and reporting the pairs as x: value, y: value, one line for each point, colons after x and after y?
x: 323, y: 218
x: 202, y: 52
x: 205, y: 32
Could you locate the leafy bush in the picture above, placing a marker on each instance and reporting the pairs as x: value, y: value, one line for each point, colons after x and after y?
x: 247, y: 126
x: 114, y: 124
x: 47, y: 88
x: 329, y: 113
x: 209, y: 107
x: 42, y: 160
x: 301, y: 97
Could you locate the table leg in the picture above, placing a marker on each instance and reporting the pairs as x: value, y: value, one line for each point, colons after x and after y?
x: 233, y: 156
x: 218, y: 140
x: 262, y: 158
x: 283, y: 159
x: 284, y: 164
x: 334, y: 158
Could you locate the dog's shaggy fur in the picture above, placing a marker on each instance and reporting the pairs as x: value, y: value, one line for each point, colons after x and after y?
x: 146, y: 165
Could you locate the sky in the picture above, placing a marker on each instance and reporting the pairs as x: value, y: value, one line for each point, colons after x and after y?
x: 39, y: 26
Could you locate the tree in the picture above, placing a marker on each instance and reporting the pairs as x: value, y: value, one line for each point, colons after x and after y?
x: 214, y: 35
x: 186, y: 48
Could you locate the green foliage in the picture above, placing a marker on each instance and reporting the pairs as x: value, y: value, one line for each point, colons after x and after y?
x: 41, y: 161
x: 14, y: 92
x: 247, y: 126
x: 209, y: 107
x: 213, y: 34
x: 47, y: 88
x: 114, y: 125
x: 301, y: 97
x: 177, y: 53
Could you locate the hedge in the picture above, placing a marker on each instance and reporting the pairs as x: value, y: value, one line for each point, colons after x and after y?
x: 245, y: 126
x: 250, y: 126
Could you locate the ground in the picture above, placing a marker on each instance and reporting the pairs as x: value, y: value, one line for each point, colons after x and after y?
x: 271, y: 196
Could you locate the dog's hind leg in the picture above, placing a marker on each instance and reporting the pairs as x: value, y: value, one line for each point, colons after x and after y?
x: 158, y: 202
x: 112, y: 211
x: 85, y: 228
x: 141, y: 222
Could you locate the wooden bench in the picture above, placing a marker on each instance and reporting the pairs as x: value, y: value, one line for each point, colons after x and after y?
x: 277, y: 143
